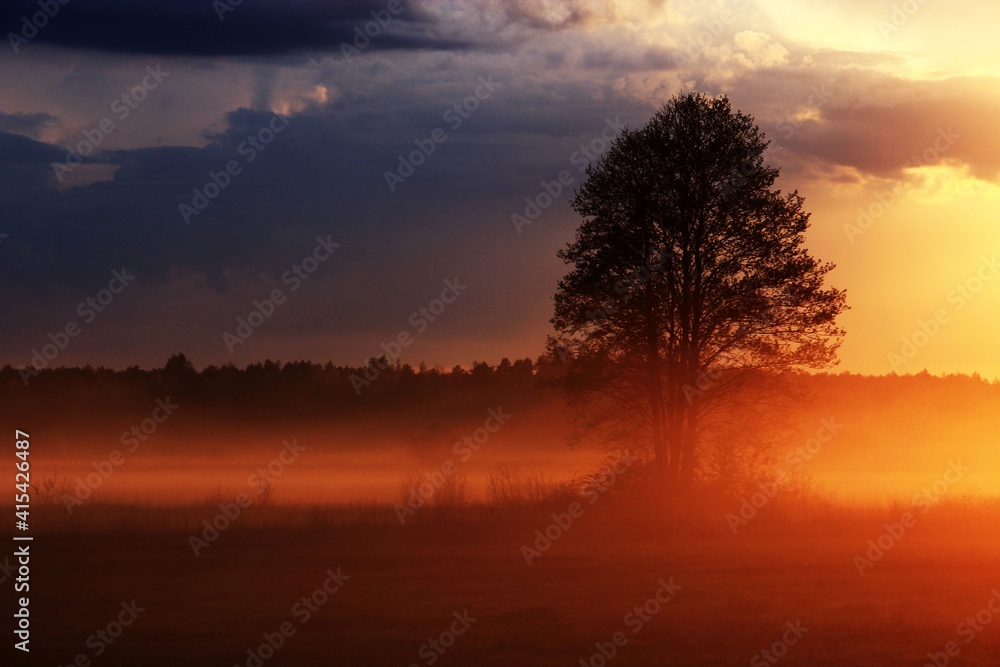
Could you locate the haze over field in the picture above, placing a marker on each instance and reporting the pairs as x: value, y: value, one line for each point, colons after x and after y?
x: 857, y: 439
x: 500, y: 332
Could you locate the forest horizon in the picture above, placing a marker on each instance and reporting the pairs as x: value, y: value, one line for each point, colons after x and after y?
x: 446, y: 333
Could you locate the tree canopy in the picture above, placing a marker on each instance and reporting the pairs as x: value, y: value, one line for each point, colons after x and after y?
x: 689, y: 281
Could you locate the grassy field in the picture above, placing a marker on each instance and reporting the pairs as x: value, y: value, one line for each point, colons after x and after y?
x: 405, y: 585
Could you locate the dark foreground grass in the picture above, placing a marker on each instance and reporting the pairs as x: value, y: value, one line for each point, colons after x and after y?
x: 406, y: 583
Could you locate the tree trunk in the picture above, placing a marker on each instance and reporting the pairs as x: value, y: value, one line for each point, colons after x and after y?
x: 688, y: 446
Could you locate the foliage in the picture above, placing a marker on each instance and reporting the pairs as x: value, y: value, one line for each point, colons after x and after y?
x: 690, y: 285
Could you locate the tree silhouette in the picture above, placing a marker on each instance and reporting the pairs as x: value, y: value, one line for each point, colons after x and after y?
x: 689, y: 280
x: 180, y: 375
x: 178, y: 365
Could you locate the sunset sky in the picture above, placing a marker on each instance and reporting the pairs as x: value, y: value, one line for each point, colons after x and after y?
x: 882, y: 114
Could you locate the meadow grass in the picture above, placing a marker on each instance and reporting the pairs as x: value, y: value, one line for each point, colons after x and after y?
x: 792, y: 562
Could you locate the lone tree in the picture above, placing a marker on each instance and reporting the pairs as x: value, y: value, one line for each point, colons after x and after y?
x: 690, y: 283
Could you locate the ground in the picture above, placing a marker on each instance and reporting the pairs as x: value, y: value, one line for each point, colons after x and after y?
x: 399, y: 587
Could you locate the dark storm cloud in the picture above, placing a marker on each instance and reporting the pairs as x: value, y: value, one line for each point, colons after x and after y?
x: 323, y: 175
x: 200, y: 28
x: 28, y: 124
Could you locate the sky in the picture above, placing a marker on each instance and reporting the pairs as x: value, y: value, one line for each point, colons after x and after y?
x: 343, y: 175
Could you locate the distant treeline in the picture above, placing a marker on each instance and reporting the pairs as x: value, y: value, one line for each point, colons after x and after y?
x: 263, y: 392
x: 303, y: 392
